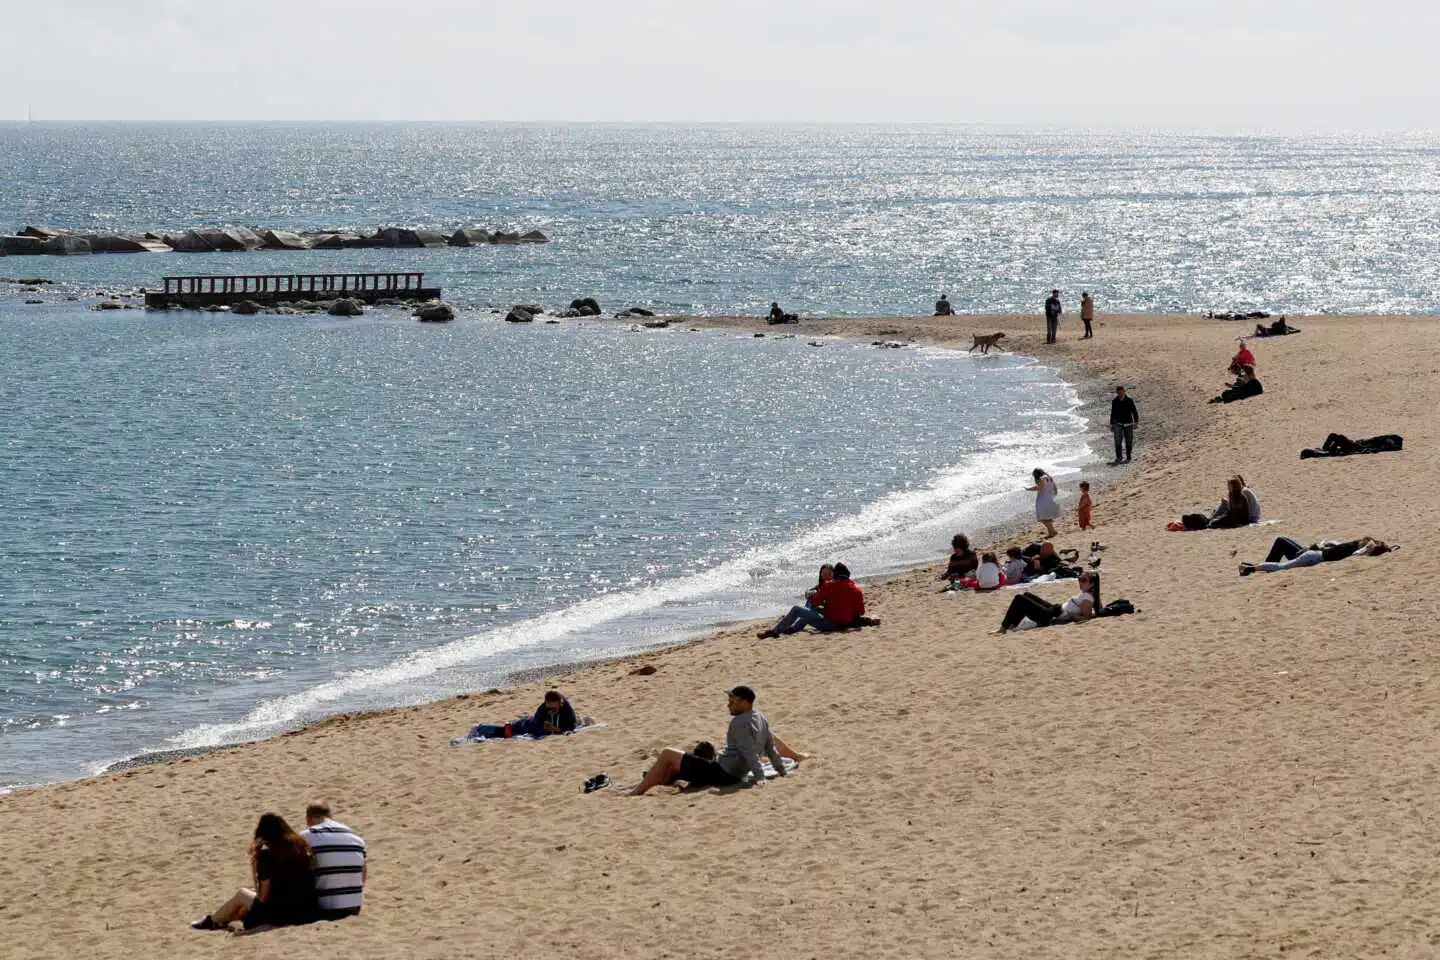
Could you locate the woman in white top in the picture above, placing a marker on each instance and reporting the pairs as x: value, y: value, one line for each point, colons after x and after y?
x: 987, y: 575
x: 1046, y: 506
x: 1082, y: 606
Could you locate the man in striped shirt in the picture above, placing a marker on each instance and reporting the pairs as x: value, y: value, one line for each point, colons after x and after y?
x: 340, y: 864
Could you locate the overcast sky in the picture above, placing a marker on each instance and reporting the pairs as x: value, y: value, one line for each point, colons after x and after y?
x: 1278, y: 64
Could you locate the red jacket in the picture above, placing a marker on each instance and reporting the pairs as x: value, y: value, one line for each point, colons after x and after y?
x: 841, y: 600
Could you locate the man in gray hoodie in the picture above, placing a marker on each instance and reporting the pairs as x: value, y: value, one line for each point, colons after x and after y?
x: 747, y: 739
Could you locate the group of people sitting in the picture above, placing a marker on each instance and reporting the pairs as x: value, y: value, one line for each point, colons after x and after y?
x: 835, y: 603
x: 777, y: 315
x: 1239, y: 508
x: 317, y: 874
x: 970, y: 570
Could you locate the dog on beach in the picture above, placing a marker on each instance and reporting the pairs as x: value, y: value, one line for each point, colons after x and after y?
x: 984, y: 341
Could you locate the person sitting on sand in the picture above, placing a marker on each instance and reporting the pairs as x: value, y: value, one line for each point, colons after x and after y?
x: 1043, y: 561
x: 1243, y: 358
x: 837, y: 605
x: 1286, y: 554
x: 1240, y: 508
x: 827, y: 573
x: 555, y: 715
x: 943, y: 307
x: 1043, y: 613
x: 1017, y: 565
x: 283, y: 868
x: 989, y: 576
x: 1277, y: 328
x: 963, y: 559
x: 1245, y: 386
x: 340, y: 863
x: 747, y: 738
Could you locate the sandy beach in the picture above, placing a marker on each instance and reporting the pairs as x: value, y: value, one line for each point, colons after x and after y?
x: 1244, y: 768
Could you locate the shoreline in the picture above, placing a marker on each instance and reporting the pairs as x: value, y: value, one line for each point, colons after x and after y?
x: 1241, y: 767
x: 1000, y: 533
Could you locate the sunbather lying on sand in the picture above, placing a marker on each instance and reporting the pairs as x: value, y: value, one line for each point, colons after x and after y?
x: 1043, y: 613
x: 554, y: 715
x: 1286, y: 554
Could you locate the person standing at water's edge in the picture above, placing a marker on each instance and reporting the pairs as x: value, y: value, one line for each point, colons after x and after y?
x: 1052, y: 316
x: 1123, y: 417
x: 1047, y: 507
x: 1087, y: 314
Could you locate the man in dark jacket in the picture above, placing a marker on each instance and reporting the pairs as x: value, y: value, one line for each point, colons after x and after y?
x: 1123, y: 417
x: 1052, y: 316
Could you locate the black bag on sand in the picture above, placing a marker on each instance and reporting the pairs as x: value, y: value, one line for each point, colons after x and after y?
x: 1117, y: 608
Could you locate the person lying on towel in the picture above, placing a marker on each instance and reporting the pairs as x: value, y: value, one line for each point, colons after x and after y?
x: 554, y: 715
x: 1286, y: 554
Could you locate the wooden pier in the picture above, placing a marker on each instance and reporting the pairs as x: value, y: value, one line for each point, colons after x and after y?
x: 279, y: 288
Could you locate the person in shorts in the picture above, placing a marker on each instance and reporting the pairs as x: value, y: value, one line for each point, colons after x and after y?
x: 745, y: 741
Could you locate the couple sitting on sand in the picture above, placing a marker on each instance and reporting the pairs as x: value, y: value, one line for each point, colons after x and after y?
x: 318, y: 874
x: 1240, y: 508
x: 746, y: 740
x: 553, y: 716
x: 836, y: 603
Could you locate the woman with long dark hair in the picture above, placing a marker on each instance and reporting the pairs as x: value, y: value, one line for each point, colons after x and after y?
x: 283, y: 868
x: 1047, y: 507
x: 1043, y: 613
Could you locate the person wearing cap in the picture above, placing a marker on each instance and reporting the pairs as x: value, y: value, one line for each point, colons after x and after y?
x: 745, y: 741
x: 1052, y: 316
x: 835, y: 605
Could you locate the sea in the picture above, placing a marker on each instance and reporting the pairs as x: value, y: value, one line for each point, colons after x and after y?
x: 215, y: 528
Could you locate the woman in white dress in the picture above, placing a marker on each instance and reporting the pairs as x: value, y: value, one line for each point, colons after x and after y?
x: 1047, y: 508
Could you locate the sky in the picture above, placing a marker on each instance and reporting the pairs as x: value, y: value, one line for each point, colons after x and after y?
x: 1334, y: 65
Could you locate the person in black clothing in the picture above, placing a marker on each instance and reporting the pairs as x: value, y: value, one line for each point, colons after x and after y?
x: 1339, y: 445
x: 1245, y: 386
x: 963, y: 560
x: 1123, y: 417
x: 554, y: 715
x: 943, y: 307
x: 283, y: 867
x: 1052, y: 316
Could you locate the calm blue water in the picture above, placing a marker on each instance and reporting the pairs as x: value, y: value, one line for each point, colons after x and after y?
x: 216, y: 527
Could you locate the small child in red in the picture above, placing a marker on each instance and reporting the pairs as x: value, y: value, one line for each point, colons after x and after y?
x: 1082, y: 509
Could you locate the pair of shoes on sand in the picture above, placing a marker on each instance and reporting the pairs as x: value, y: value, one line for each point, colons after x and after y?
x: 598, y: 782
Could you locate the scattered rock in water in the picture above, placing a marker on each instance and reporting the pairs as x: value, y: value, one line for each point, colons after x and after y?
x: 44, y: 233
x: 586, y: 307
x: 660, y: 324
x: 436, y: 311
x: 346, y: 307
x: 534, y: 309
x: 815, y: 343
x: 246, y: 308
x: 108, y: 305
x: 552, y: 321
x: 534, y: 236
x: 65, y: 246
x: 33, y: 302
x: 500, y: 236
x: 26, y: 281
x: 283, y: 240
x: 757, y: 335
x: 519, y: 315
x: 17, y: 246
x: 217, y: 308
x: 469, y: 237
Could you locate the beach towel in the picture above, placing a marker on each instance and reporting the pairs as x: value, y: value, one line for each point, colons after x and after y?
x: 586, y: 724
x: 770, y: 774
x: 1042, y: 579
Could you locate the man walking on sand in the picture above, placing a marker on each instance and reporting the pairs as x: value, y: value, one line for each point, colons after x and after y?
x: 1052, y: 316
x: 1123, y: 417
x: 1087, y: 314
